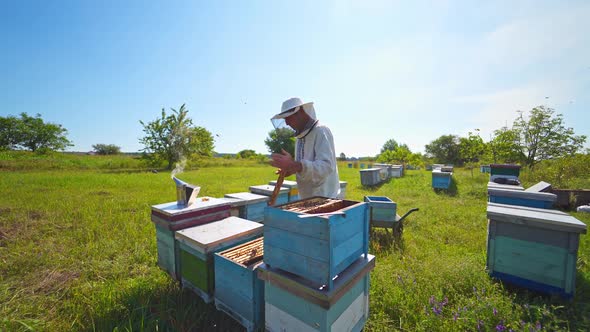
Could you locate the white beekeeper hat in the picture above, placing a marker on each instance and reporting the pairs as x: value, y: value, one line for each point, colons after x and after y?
x: 289, y: 107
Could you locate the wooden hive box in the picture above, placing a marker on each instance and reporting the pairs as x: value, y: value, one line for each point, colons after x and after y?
x: 292, y: 185
x: 523, y: 198
x: 440, y: 179
x: 238, y: 291
x: 267, y: 190
x: 396, y: 171
x: 169, y: 218
x: 382, y: 210
x: 484, y: 168
x: 370, y: 176
x: 198, y: 244
x: 317, y: 247
x: 505, y: 169
x: 533, y: 248
x: 292, y: 304
x: 251, y: 206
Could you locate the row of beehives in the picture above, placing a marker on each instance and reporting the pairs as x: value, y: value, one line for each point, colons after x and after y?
x: 380, y: 173
x: 529, y: 244
x: 291, y: 273
x: 442, y: 176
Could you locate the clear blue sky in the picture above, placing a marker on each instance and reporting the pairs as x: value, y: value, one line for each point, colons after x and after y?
x: 376, y: 70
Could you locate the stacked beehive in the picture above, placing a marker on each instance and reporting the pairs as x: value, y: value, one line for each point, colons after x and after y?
x: 169, y: 218
x: 504, y: 188
x: 316, y: 265
x: 197, y: 246
x: 442, y: 176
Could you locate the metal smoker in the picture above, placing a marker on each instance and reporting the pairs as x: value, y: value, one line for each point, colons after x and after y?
x: 186, y: 194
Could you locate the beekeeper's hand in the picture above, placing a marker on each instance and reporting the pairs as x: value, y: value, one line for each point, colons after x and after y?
x: 285, y: 162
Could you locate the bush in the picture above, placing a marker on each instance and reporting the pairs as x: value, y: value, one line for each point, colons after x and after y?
x: 105, y: 149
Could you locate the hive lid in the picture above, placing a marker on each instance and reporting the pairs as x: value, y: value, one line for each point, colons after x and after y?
x: 539, y: 187
x: 248, y: 198
x: 439, y: 172
x: 266, y: 189
x: 286, y: 183
x: 209, y: 237
x: 494, y: 185
x: 507, y: 166
x: 543, y: 218
x: 202, y: 203
x: 370, y: 169
x: 539, y: 196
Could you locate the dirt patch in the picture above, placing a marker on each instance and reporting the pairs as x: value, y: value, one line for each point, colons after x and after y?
x: 102, y: 193
x: 3, y: 239
x: 55, y: 281
x: 5, y: 210
x: 35, y: 215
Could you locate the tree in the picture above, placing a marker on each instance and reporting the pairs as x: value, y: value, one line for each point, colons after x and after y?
x: 9, y: 133
x: 504, y: 146
x: 390, y: 145
x: 246, y: 154
x: 342, y: 156
x: 106, y: 149
x: 173, y: 137
x: 543, y: 136
x: 281, y: 138
x: 401, y: 155
x: 32, y: 133
x: 444, y: 149
x: 472, y: 148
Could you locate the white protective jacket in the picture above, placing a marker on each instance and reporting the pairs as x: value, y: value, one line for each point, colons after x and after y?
x: 319, y: 176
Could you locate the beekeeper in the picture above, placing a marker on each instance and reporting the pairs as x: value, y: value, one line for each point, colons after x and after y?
x: 314, y: 164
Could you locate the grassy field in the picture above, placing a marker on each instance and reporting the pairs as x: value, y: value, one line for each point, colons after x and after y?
x: 78, y: 252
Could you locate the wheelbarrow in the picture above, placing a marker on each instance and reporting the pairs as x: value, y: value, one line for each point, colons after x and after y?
x: 397, y: 225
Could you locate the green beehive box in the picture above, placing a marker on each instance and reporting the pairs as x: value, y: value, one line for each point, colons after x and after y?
x: 533, y: 248
x: 198, y: 244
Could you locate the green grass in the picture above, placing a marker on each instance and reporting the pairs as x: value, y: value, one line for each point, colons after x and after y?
x: 78, y: 252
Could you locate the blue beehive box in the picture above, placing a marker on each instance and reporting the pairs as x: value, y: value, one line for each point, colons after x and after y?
x: 293, y: 190
x: 292, y: 304
x: 169, y: 218
x: 238, y: 291
x: 382, y: 210
x: 316, y: 247
x: 533, y: 248
x: 523, y: 198
x: 267, y: 190
x: 198, y: 244
x: 440, y: 179
x: 370, y: 176
x: 250, y: 206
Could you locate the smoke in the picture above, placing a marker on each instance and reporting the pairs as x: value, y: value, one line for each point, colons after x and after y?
x: 179, y: 168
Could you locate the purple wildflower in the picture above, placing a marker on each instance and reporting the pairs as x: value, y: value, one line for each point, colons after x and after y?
x: 500, y: 326
x: 436, y: 310
x: 495, y: 311
x: 455, y: 316
x: 479, y: 324
x: 431, y: 301
x: 538, y: 326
